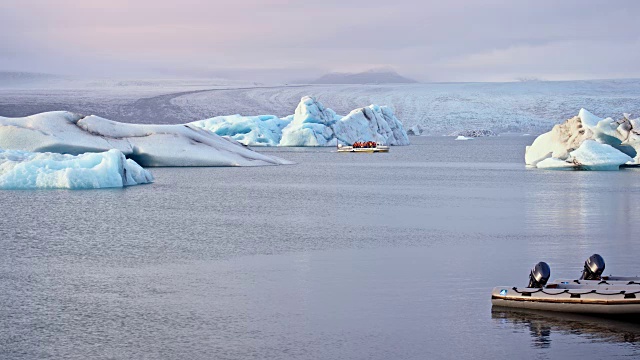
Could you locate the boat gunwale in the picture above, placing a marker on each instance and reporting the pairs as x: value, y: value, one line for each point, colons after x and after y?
x: 569, y: 300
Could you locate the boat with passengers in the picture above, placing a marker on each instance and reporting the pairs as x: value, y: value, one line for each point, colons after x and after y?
x: 364, y: 147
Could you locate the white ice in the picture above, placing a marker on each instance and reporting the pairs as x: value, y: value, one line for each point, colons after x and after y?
x: 28, y: 170
x: 371, y: 123
x: 149, y: 145
x: 463, y: 138
x: 592, y: 155
x: 587, y: 142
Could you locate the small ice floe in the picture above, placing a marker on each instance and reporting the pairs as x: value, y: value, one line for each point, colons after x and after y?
x: 474, y: 133
x: 26, y: 170
x: 463, y: 138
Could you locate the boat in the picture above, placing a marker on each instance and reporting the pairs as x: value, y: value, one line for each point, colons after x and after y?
x: 591, y: 294
x: 364, y: 147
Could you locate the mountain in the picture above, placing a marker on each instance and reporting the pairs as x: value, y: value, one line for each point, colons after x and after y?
x: 14, y: 78
x: 368, y: 77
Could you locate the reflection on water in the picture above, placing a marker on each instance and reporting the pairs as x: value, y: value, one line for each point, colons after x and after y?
x: 541, y: 326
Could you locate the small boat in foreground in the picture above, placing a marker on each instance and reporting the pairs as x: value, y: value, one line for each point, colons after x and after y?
x: 364, y: 147
x: 591, y: 294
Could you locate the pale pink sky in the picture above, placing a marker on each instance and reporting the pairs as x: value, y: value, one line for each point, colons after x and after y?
x: 453, y: 40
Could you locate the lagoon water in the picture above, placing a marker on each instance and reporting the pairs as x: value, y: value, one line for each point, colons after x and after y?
x: 342, y: 256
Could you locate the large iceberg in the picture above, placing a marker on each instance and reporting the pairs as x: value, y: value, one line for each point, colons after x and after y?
x: 27, y: 170
x: 149, y: 145
x: 312, y: 124
x: 587, y: 142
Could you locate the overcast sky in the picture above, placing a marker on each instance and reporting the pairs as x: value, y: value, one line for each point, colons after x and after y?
x: 439, y: 40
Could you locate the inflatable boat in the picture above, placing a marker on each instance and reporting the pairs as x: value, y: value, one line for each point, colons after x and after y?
x: 591, y: 294
x: 364, y: 147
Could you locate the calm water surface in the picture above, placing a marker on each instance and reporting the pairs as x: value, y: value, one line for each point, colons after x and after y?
x: 342, y: 256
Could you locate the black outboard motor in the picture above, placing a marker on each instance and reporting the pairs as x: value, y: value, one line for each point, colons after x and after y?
x: 539, y: 275
x: 593, y: 268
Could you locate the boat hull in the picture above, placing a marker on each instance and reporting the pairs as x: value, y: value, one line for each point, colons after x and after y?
x: 362, y: 150
x: 585, y: 301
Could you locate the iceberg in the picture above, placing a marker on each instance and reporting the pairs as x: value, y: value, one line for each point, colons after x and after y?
x: 312, y: 124
x: 460, y: 137
x: 587, y: 142
x: 262, y: 130
x: 148, y: 145
x: 371, y: 123
x: 28, y: 170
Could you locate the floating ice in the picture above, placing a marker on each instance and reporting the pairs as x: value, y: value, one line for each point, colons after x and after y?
x: 587, y: 142
x: 474, y: 133
x: 27, y: 170
x: 312, y: 125
x: 592, y: 155
x: 371, y: 123
x: 149, y: 145
x: 463, y: 138
x: 263, y: 130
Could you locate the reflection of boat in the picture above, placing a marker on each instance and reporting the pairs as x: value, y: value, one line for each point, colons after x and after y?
x: 541, y: 325
x: 589, y: 295
x: 371, y: 148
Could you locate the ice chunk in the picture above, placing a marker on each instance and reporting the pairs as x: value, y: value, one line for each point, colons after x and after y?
x: 148, y: 145
x: 463, y: 138
x: 557, y: 164
x: 311, y: 125
x: 563, y: 140
x: 592, y: 155
x: 371, y: 123
x: 474, y: 133
x: 28, y: 170
x: 263, y: 130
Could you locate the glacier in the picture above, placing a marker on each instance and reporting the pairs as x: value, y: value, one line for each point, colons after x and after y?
x: 312, y: 124
x: 149, y: 145
x: 21, y: 170
x: 588, y: 142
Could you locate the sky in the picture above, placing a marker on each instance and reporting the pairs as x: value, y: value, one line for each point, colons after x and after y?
x: 281, y: 40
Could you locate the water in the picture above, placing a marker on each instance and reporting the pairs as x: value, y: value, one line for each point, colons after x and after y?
x: 350, y: 256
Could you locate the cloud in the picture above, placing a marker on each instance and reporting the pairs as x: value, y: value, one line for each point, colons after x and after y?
x: 430, y: 40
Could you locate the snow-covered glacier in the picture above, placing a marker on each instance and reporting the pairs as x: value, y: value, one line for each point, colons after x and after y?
x: 149, y: 145
x: 312, y: 124
x: 587, y: 142
x: 28, y: 170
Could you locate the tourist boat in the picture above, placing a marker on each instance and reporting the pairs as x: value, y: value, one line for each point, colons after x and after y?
x: 591, y: 294
x: 364, y: 147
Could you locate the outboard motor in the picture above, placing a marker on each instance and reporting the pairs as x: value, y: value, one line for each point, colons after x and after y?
x: 593, y: 268
x: 539, y: 275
